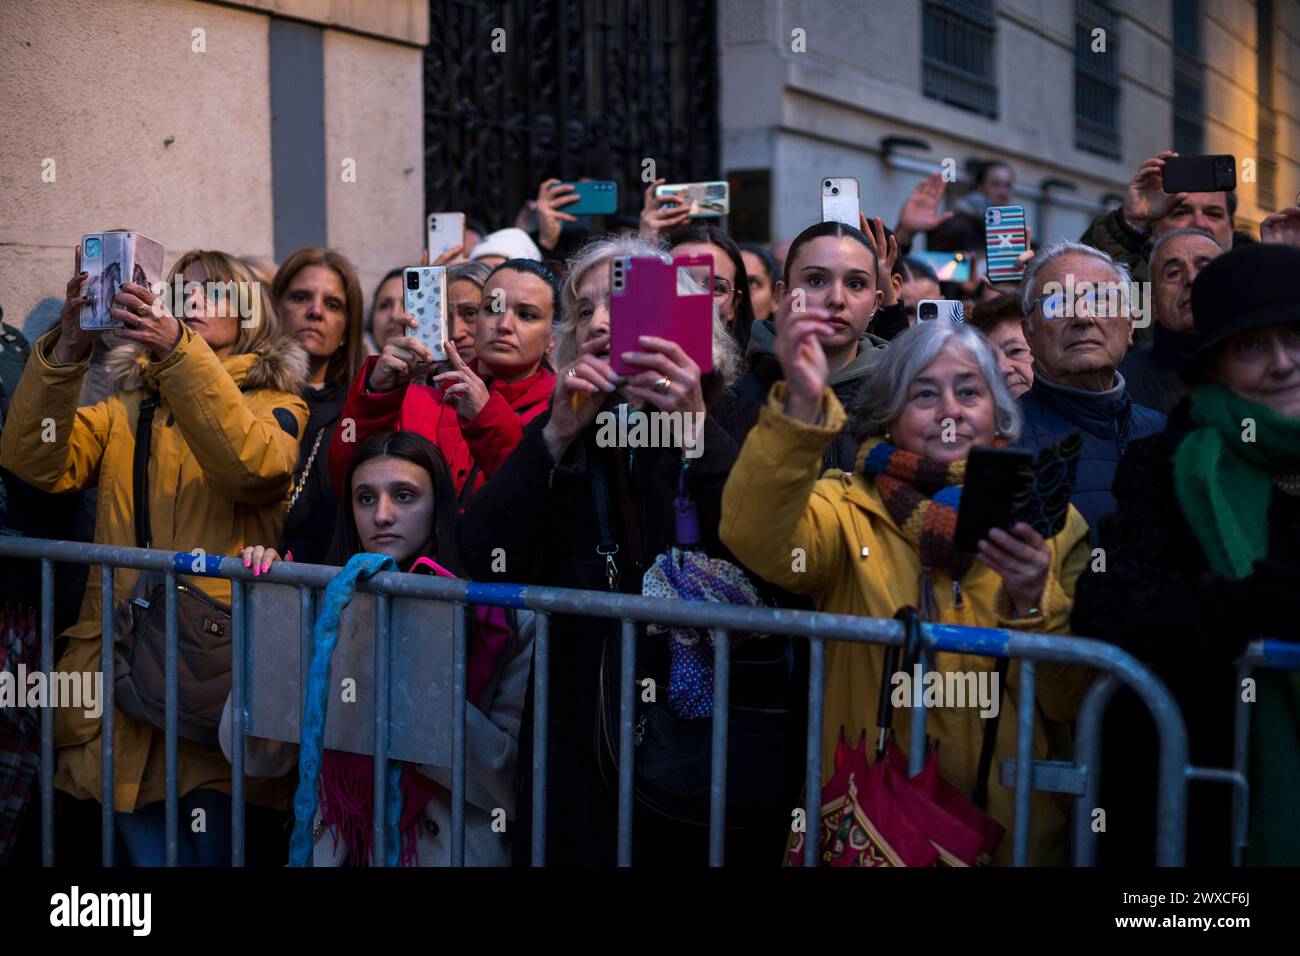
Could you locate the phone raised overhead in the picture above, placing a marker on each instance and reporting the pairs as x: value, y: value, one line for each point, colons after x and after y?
x: 445, y: 231
x: 595, y: 198
x: 1200, y: 174
x: 706, y: 200
x: 1005, y: 240
x: 840, y: 201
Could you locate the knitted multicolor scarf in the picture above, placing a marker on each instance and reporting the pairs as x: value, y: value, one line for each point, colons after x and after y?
x: 922, y: 496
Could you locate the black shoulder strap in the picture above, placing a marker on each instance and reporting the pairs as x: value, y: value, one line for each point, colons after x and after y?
x: 143, y: 439
x: 607, y: 545
x: 980, y: 795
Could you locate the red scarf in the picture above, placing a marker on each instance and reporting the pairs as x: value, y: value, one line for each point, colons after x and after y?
x: 346, y: 784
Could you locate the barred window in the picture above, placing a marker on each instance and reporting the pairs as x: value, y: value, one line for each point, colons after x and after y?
x: 1096, y: 78
x: 958, y: 66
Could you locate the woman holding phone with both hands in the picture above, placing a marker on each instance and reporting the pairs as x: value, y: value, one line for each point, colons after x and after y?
x: 474, y: 412
x: 880, y: 537
x: 224, y: 442
x: 541, y: 508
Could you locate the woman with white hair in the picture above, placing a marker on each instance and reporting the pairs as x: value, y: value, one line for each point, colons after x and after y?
x: 881, y: 538
x: 574, y: 507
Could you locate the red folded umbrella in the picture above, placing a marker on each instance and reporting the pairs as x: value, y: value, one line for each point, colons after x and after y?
x: 862, y: 821
x: 963, y: 834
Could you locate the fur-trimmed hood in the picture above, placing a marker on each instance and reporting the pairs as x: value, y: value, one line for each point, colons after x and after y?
x: 283, y: 367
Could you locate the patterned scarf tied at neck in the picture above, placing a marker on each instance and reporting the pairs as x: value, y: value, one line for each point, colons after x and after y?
x: 922, y: 496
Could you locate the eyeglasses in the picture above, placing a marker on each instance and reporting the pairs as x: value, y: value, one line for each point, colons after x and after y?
x: 1113, y: 304
x: 722, y: 288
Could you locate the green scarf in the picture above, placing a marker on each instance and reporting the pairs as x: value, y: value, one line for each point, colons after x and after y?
x: 1224, y: 485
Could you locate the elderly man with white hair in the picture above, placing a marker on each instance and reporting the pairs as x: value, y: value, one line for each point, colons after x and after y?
x: 1078, y: 323
x: 1154, y: 372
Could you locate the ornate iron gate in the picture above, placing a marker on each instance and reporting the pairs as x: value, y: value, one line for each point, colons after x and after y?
x: 582, y: 88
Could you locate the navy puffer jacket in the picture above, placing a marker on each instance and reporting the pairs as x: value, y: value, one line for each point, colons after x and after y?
x: 1109, y: 421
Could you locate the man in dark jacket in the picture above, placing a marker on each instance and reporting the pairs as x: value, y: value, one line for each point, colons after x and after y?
x: 1078, y: 324
x: 1148, y: 213
x: 1152, y: 372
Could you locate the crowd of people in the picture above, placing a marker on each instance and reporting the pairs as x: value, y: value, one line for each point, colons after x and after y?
x: 836, y: 433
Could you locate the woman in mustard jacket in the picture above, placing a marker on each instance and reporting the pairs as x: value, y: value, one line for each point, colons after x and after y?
x: 224, y: 444
x: 875, y: 540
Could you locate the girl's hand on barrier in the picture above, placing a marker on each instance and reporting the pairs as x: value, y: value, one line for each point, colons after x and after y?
x: 260, y: 558
x: 1021, y: 558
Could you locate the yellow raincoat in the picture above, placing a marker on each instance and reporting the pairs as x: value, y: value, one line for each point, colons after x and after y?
x: 224, y: 448
x: 855, y: 560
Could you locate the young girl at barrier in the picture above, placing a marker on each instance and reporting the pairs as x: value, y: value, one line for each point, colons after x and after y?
x: 399, y: 507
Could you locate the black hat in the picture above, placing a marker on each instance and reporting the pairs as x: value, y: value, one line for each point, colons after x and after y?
x: 1247, y: 287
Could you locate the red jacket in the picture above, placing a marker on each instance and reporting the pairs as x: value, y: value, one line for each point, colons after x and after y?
x: 486, y: 441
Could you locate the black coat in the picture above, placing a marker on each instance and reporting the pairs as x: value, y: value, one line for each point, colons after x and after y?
x: 1158, y: 599
x: 309, y: 528
x: 543, y: 515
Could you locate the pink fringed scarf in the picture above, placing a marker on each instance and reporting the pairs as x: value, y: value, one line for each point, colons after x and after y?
x: 346, y: 784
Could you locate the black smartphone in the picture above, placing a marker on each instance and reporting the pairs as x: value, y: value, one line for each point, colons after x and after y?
x: 998, y: 481
x: 1200, y: 174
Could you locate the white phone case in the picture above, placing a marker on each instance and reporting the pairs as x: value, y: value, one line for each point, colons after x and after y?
x: 112, y: 258
x: 950, y: 309
x: 445, y: 230
x: 423, y: 296
x: 840, y: 200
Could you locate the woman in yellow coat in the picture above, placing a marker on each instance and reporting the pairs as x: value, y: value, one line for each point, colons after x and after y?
x: 224, y: 445
x: 869, y: 543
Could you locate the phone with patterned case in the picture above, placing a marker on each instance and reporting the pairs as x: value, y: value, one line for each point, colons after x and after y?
x: 424, y: 296
x: 1004, y: 240
x: 112, y: 258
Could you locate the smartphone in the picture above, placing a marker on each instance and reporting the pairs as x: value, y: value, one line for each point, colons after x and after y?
x: 706, y: 199
x: 948, y: 266
x: 999, y: 481
x: 423, y: 296
x: 927, y: 310
x: 446, y: 230
x: 840, y: 201
x: 674, y: 301
x: 598, y: 198
x: 1200, y: 174
x: 113, y: 258
x: 1004, y: 241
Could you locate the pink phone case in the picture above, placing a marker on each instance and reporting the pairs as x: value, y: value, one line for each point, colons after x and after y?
x: 648, y: 297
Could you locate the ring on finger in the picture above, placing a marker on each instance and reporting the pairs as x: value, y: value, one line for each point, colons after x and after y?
x: 662, y: 385
x: 570, y: 373
x: 142, y: 310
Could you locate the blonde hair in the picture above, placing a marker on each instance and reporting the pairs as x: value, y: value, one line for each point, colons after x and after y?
x: 258, y: 331
x: 596, y: 254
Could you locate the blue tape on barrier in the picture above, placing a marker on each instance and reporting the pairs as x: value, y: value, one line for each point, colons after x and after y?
x: 1280, y: 655
x: 186, y: 562
x: 970, y: 640
x: 499, y: 595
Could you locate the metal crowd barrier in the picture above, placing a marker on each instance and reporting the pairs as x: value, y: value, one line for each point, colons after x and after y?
x: 1079, y: 779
